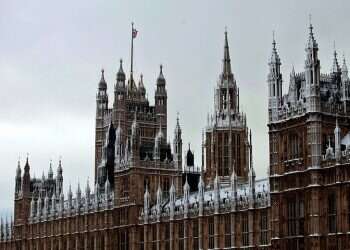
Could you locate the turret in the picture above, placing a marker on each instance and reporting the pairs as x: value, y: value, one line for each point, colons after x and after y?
x: 177, y: 144
x: 102, y: 97
x: 312, y: 74
x: 119, y: 106
x: 274, y: 79
x: 26, y: 179
x: 161, y: 101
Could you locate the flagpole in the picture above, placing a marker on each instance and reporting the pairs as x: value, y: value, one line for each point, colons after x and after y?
x: 132, y: 49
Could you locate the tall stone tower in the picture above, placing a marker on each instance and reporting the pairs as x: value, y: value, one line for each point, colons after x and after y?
x: 227, y: 146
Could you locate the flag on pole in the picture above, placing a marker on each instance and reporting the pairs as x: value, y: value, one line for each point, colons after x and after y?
x: 134, y: 33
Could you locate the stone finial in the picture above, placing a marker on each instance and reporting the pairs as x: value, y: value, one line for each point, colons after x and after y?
x: 172, y: 193
x: 146, y: 205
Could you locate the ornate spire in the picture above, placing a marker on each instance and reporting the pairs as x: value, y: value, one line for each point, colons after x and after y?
x: 226, y: 62
x: 50, y: 173
x: 161, y: 78
x: 275, y: 59
x: 87, y: 189
x: 26, y: 166
x: 335, y: 67
x: 177, y: 127
x: 121, y: 74
x: 59, y: 169
x: 102, y: 84
x: 312, y: 44
x: 344, y: 67
x: 18, y: 170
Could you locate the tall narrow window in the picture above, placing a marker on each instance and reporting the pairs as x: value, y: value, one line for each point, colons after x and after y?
x: 167, y: 236
x: 123, y: 239
x: 291, y: 217
x: 154, y: 237
x: 211, y: 232
x: 195, y: 234
x: 227, y: 221
x: 180, y: 227
x: 263, y: 227
x: 332, y: 213
x: 141, y: 238
x: 245, y: 230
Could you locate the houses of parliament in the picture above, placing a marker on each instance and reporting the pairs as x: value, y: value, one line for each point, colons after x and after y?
x: 148, y: 193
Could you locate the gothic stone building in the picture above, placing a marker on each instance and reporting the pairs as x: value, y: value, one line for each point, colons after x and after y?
x: 145, y: 196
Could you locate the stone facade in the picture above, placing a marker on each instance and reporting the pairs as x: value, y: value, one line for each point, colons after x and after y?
x: 145, y: 196
x: 309, y: 154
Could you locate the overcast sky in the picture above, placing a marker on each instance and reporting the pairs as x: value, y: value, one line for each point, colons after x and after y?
x: 51, y: 53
